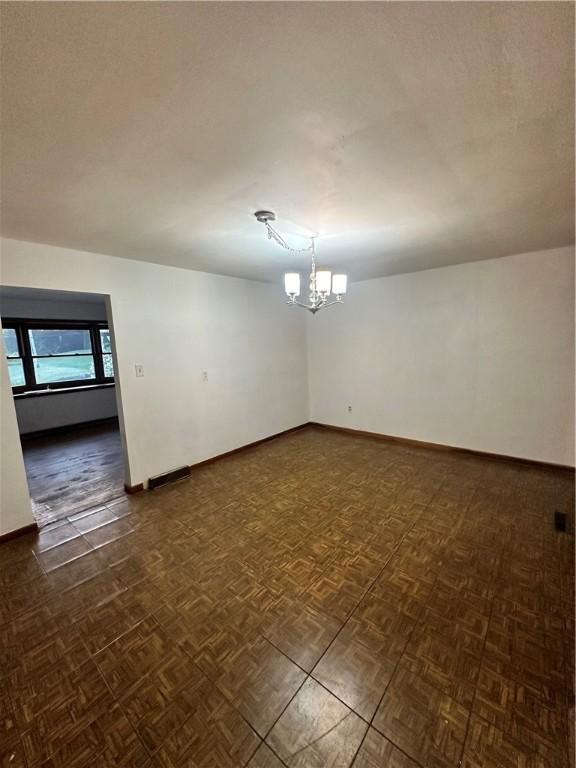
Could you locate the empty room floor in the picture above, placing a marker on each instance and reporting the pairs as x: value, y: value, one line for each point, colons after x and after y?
x: 320, y: 600
x: 72, y: 471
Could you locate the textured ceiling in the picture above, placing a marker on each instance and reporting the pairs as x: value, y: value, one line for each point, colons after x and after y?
x: 408, y: 135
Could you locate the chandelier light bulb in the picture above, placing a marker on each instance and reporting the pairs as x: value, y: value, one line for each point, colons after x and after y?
x: 292, y: 283
x: 323, y: 281
x: 339, y: 284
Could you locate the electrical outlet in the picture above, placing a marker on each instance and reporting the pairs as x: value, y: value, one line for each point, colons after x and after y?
x: 139, y: 369
x: 349, y: 409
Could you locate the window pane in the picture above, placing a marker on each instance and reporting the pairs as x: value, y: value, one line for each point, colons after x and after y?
x: 68, y: 341
x: 108, y: 365
x: 16, y: 372
x: 10, y: 342
x: 105, y: 340
x: 50, y: 369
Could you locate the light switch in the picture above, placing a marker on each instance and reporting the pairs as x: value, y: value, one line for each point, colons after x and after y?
x: 204, y: 375
x: 139, y: 370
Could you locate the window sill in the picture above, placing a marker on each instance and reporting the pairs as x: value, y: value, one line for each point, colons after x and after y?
x: 61, y: 391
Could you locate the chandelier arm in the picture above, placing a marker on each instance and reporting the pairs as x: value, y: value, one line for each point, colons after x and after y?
x: 331, y: 303
x: 313, y: 308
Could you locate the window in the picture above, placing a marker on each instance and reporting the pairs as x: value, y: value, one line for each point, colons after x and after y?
x: 106, y: 352
x: 50, y: 355
x: 15, y: 366
x: 61, y: 355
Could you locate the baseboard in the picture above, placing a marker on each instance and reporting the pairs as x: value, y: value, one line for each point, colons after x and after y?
x: 249, y: 445
x: 130, y: 489
x: 18, y: 532
x: 54, y: 431
x: 440, y: 447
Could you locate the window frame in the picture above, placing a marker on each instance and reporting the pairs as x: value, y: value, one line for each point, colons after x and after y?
x: 23, y: 325
x: 9, y: 327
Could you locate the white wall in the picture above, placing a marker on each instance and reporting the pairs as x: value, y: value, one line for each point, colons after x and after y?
x: 15, y: 508
x: 59, y: 409
x: 478, y: 356
x: 178, y: 323
x: 64, y: 409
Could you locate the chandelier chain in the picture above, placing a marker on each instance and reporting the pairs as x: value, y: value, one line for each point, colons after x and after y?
x: 274, y: 235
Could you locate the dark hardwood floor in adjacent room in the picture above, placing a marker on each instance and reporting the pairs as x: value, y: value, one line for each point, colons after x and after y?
x: 320, y: 600
x: 72, y: 471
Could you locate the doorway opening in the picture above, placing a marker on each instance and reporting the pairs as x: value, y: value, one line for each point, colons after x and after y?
x: 61, y: 361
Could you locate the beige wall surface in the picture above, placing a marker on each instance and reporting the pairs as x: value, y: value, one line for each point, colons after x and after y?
x: 477, y: 356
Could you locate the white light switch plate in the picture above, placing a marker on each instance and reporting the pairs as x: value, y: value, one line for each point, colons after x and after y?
x: 139, y: 370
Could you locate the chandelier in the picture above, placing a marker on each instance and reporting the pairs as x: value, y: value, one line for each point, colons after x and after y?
x: 321, y: 283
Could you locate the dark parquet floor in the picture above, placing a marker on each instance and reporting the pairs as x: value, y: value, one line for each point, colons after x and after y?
x: 72, y: 471
x: 321, y: 600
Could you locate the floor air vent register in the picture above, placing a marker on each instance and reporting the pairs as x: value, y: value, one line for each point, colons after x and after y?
x: 168, y: 477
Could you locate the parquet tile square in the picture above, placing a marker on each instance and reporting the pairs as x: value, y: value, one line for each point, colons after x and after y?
x: 130, y: 567
x: 519, y: 710
x: 450, y: 664
x: 110, y: 619
x: 63, y: 651
x: 82, y: 598
x: 302, y: 633
x: 378, y: 752
x: 404, y: 591
x: 419, y: 564
x: 214, y: 734
x: 334, y: 595
x: 265, y: 758
x: 11, y: 748
x: 383, y: 626
x: 214, y: 646
x: 156, y: 716
x: 519, y: 655
x: 316, y: 730
x: 146, y: 651
x: 55, y: 715
x: 452, y: 597
x: 356, y: 669
x: 22, y: 598
x: 425, y: 723
x: 181, y: 627
x: 24, y: 572
x: 107, y: 741
x: 488, y: 746
x: 548, y: 621
x: 58, y: 694
x: 260, y: 681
